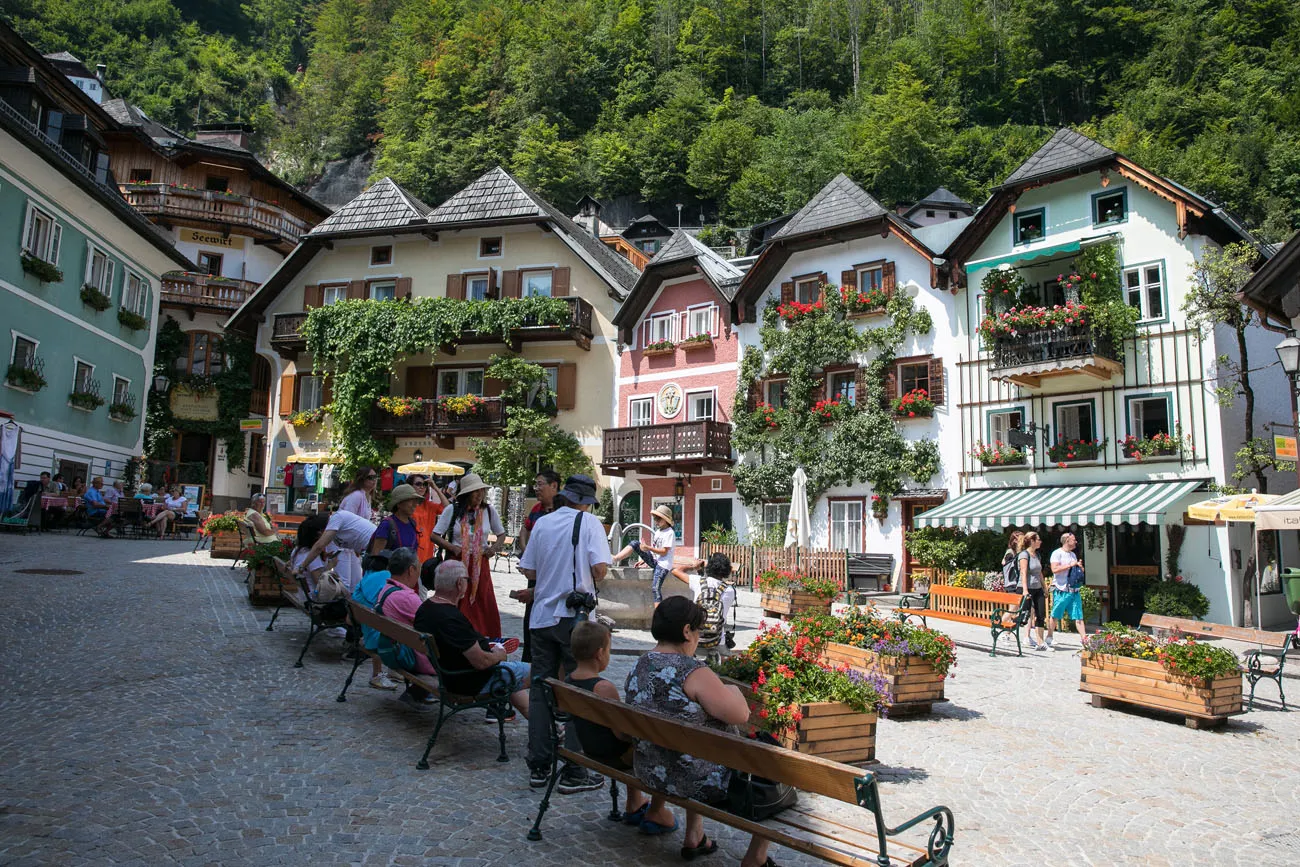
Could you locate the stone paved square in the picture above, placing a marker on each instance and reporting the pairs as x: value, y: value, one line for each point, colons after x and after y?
x: 147, y: 717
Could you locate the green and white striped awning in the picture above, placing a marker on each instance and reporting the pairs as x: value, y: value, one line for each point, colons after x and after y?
x: 996, y: 508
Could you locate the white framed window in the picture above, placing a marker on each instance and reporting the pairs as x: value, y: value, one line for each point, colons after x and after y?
x: 808, y: 290
x: 1144, y: 291
x: 548, y: 386
x: 311, y: 393
x: 333, y: 294
x: 1029, y: 226
x: 455, y: 381
x: 675, y: 506
x: 383, y: 290
x: 1075, y: 421
x: 83, y: 376
x: 641, y: 411
x: 42, y: 235
x: 1002, y: 422
x: 699, y: 405
x: 23, y: 353
x: 775, y: 515
x: 135, y: 294
x: 536, y: 284
x: 871, y: 278
x: 1148, y: 416
x: 477, y: 287
x: 662, y: 326
x: 121, y: 389
x: 846, y: 525
x: 844, y: 386
x: 774, y: 393
x: 699, y: 320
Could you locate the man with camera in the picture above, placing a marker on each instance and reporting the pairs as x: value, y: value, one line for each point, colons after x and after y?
x: 567, y: 553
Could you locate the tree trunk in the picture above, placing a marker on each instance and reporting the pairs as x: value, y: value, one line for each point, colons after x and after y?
x: 1248, y: 391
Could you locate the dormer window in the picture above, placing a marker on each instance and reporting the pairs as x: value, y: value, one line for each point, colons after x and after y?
x: 381, y: 255
x: 1030, y: 226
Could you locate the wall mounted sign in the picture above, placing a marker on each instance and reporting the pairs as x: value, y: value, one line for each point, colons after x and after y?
x: 194, y: 406
x: 1284, y: 448
x: 252, y: 425
x: 212, y: 239
x: 670, y: 400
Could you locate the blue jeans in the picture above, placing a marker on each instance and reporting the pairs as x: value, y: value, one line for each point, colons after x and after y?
x: 509, y: 674
x: 657, y: 584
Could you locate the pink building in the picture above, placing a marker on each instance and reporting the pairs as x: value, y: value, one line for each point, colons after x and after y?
x: 676, y: 384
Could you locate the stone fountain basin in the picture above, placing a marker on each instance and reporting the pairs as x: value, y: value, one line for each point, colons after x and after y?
x: 626, y: 595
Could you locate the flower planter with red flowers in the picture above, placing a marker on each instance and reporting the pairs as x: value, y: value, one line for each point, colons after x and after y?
x: 1019, y: 320
x: 767, y: 414
x: 857, y: 303
x: 792, y: 311
x: 827, y: 410
x: 915, y: 404
x: 1066, y: 451
x: 1161, y: 445
x: 998, y: 454
x: 663, y: 347
x: 699, y: 341
x: 879, y: 507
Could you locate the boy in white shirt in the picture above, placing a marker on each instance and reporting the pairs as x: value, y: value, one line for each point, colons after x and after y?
x: 658, y: 555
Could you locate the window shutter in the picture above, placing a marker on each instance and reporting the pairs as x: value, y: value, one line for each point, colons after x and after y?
x: 887, y: 280
x: 492, y: 283
x: 356, y: 290
x: 492, y: 387
x: 510, y: 284
x: 327, y: 390
x: 822, y: 279
x: 403, y: 288
x: 456, y: 286
x: 312, y: 296
x: 849, y: 279
x: 860, y: 386
x: 419, y: 382
x: 56, y: 241
x: 891, y: 386
x: 560, y: 283
x: 787, y: 292
x: 566, y: 386
x: 287, y: 383
x: 819, y: 389
x: 752, y: 395
x: 936, y: 381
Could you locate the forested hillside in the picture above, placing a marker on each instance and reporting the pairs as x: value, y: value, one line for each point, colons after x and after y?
x: 749, y: 104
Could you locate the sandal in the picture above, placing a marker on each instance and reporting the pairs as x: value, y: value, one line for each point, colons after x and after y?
x: 705, y: 847
x: 654, y: 829
x: 635, y: 817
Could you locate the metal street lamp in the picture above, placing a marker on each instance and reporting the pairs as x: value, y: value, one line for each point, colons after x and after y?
x: 160, y: 383
x: 419, y: 455
x: 1288, y: 353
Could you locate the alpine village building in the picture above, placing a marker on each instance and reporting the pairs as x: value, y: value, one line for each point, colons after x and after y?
x: 80, y: 279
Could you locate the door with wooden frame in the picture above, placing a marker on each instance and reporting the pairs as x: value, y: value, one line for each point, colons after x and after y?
x: 911, y: 509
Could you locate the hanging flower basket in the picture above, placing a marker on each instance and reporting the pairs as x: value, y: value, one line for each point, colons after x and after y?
x: 879, y: 507
x: 915, y: 404
x: 40, y: 269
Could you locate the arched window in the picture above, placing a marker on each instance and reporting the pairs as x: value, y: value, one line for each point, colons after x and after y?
x: 202, y: 355
x: 259, y: 402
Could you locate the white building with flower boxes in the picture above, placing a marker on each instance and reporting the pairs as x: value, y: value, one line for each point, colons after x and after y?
x: 1070, y: 421
x: 845, y: 250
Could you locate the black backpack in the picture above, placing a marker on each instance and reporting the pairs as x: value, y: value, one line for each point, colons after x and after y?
x: 1011, y: 575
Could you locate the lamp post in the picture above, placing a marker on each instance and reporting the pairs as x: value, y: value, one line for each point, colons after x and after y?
x: 419, y: 455
x: 1288, y: 354
x: 160, y: 383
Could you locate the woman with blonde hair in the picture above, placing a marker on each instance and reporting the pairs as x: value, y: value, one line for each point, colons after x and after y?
x: 1031, y: 585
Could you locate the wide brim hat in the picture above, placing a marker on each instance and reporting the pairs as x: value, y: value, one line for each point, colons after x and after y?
x: 665, y: 513
x: 579, y: 490
x: 469, y: 483
x: 401, y: 494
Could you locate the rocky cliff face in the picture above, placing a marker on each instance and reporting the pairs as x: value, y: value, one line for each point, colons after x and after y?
x: 342, y: 180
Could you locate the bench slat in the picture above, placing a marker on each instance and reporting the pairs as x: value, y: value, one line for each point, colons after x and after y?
x: 1220, y: 630
x: 819, y: 844
x: 399, y: 632
x: 806, y: 773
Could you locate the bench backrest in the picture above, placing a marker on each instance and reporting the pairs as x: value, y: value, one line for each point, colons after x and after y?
x: 397, y: 631
x: 871, y: 564
x: 1218, y: 630
x: 971, y: 603
x: 288, y: 578
x: 804, y: 772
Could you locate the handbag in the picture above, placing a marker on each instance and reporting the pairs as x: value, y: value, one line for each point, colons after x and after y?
x: 329, y: 587
x: 757, y: 798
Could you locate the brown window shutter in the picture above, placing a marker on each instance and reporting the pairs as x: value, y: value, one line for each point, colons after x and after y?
x: 891, y: 386
x: 510, y: 281
x: 787, y: 292
x: 403, y: 287
x: 819, y: 389
x: 860, y: 386
x: 887, y: 280
x: 357, y: 290
x: 560, y: 283
x: 327, y: 391
x: 566, y: 386
x: 492, y: 387
x: 936, y: 381
x: 287, y: 383
x: 849, y: 279
x: 297, y: 388
x: 456, y: 286
x: 419, y: 382
x: 752, y: 395
x: 493, y: 286
x: 311, y: 296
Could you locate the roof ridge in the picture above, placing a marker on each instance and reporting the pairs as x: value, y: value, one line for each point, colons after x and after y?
x: 822, y: 212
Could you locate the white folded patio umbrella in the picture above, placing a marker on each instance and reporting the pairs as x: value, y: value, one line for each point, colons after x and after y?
x: 797, y: 529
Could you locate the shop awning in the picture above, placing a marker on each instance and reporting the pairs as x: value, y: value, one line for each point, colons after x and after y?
x: 1034, y: 254
x: 1281, y: 514
x: 996, y: 508
x: 313, y: 458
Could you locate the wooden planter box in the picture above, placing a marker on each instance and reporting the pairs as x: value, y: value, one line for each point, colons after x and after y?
x: 828, y: 729
x: 1145, y: 683
x: 225, y: 546
x: 665, y: 350
x: 787, y: 603
x: 691, y: 345
x: 264, y: 586
x: 914, y: 685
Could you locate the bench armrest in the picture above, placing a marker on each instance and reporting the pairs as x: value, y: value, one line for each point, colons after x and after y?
x: 914, y: 600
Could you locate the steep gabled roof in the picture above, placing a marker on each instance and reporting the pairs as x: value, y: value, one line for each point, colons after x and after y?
x: 682, y: 255
x: 384, y: 206
x: 1065, y: 151
x: 942, y: 199
x: 839, y: 203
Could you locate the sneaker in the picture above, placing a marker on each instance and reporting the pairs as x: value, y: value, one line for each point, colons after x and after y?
x: 492, y: 715
x: 382, y: 681
x: 538, y: 778
x: 1042, y: 647
x: 1033, y: 645
x: 574, y: 779
x: 1048, y: 644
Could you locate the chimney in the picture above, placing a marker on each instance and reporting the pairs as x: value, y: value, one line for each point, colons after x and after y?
x: 231, y: 134
x: 101, y: 72
x: 589, y: 213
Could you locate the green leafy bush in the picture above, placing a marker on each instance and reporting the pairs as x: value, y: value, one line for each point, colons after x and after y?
x: 132, y: 320
x: 91, y: 296
x: 1176, y: 599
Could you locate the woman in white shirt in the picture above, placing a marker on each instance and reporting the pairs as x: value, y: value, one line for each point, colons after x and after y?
x: 462, y: 532
x: 351, y: 533
x: 174, y: 505
x: 356, y: 499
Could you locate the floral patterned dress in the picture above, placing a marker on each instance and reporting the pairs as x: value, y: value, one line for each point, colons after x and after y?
x: 658, y: 684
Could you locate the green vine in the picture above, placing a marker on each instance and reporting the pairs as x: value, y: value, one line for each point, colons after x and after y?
x: 234, y: 385
x: 865, y: 444
x: 360, y: 343
x: 1103, y: 293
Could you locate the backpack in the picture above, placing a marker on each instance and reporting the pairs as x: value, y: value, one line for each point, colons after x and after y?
x: 394, y: 655
x: 1011, y: 575
x: 1074, y: 579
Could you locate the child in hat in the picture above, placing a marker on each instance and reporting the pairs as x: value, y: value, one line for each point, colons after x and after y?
x: 658, y: 555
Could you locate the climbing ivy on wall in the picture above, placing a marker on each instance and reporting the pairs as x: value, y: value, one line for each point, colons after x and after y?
x: 234, y: 386
x: 863, y: 444
x: 359, y: 344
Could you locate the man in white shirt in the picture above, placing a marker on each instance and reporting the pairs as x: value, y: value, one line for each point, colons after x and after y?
x: 559, y: 568
x: 1065, y: 602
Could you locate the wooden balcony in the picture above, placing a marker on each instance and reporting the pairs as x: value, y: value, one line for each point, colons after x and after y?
x: 432, y: 420
x: 658, y: 449
x: 207, y: 209
x: 577, y: 327
x: 204, y: 292
x: 1031, y: 356
x: 286, y: 334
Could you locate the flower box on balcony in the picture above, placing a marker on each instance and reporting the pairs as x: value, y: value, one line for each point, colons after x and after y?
x: 663, y: 347
x: 28, y: 379
x: 699, y: 341
x: 40, y: 269
x: 464, y: 407
x: 401, y: 407
x: 308, y: 417
x: 915, y: 404
x: 1068, y: 451
x: 92, y: 296
x: 1159, y: 446
x: 132, y: 320
x: 86, y: 401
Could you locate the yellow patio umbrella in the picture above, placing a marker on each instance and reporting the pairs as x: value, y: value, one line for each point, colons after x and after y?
x: 312, y: 458
x: 431, y: 468
x: 1239, y: 507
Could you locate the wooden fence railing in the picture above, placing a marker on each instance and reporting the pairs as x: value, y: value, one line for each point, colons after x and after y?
x: 749, y: 560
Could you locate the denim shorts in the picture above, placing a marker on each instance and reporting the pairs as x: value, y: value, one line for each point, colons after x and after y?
x: 510, y: 674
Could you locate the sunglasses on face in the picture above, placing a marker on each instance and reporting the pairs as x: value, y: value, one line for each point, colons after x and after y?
x: 419, y: 484
x: 371, y: 478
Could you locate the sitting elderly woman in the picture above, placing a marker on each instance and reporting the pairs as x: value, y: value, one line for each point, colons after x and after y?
x: 670, y: 680
x: 263, y: 532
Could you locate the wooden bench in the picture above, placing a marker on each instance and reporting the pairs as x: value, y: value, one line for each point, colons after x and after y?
x: 449, y: 703
x: 801, y: 828
x: 867, y: 567
x: 1001, y: 612
x: 1273, y: 647
x: 322, y: 616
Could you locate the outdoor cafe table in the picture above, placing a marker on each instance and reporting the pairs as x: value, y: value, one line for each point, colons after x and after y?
x: 49, y: 501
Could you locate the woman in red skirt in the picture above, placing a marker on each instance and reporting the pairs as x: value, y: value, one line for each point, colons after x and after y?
x: 463, y: 532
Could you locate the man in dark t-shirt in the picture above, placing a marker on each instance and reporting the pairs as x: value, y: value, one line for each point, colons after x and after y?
x: 461, y: 648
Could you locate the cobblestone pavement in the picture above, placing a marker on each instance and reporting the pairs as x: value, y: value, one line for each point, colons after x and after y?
x: 147, y: 717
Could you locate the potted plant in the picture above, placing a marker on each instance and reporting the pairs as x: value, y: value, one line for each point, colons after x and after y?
x: 132, y: 320
x: 27, y: 378
x: 88, y: 401
x: 263, y: 580
x: 44, y: 271
x: 879, y: 507
x: 660, y: 347
x: 916, y: 403
x: 827, y: 410
x: 224, y: 530
x: 766, y: 414
x: 697, y: 341
x: 857, y: 302
x: 123, y: 411
x: 998, y: 454
x: 1066, y: 450
x: 401, y: 407
x: 1199, y: 682
x: 787, y: 593
x: 809, y: 706
x: 1003, y: 286
x: 462, y: 406
x: 308, y: 417
x: 92, y: 296
x: 1158, y: 445
x: 912, y: 660
x: 792, y: 311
